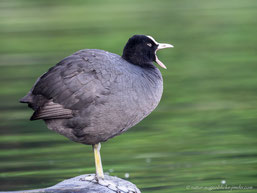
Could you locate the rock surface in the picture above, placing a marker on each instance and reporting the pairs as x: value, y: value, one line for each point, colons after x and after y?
x: 78, y: 184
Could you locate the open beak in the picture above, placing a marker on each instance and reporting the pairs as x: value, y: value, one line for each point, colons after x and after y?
x: 161, y: 46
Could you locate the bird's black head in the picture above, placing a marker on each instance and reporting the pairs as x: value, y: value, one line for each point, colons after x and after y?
x: 141, y: 50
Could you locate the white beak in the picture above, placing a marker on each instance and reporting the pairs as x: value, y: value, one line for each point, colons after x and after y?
x: 162, y: 46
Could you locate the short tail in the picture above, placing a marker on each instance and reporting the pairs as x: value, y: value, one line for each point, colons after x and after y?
x: 35, y: 102
x: 27, y: 99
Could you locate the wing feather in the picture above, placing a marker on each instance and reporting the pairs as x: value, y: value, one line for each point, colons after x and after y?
x: 72, y: 84
x: 51, y: 110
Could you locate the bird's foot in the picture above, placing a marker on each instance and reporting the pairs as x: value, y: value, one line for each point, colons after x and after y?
x: 90, y: 178
x: 109, y: 184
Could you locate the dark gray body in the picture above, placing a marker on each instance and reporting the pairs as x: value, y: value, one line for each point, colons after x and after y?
x: 94, y: 95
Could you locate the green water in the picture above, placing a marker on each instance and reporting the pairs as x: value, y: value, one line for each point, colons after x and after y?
x: 203, y: 131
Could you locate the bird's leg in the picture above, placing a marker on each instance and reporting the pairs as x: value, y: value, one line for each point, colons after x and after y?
x: 99, y: 177
x: 98, y: 162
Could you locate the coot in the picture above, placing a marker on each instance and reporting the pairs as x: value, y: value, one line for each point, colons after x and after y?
x: 94, y: 95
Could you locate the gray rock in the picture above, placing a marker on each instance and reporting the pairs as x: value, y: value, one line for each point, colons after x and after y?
x: 78, y: 184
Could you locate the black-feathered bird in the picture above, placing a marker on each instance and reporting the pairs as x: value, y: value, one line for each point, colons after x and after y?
x: 94, y: 95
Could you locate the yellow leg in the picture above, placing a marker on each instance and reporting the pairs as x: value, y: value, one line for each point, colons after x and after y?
x: 98, y: 162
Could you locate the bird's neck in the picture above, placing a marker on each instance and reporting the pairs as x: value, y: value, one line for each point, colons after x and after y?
x: 143, y: 62
x: 152, y: 71
x: 138, y: 59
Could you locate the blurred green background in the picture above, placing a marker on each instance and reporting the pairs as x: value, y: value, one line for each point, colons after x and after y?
x: 203, y: 131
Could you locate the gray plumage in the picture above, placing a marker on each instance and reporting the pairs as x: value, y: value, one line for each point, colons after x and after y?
x: 94, y: 95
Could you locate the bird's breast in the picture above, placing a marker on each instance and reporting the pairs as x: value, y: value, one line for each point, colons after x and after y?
x: 138, y: 97
x: 150, y: 88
